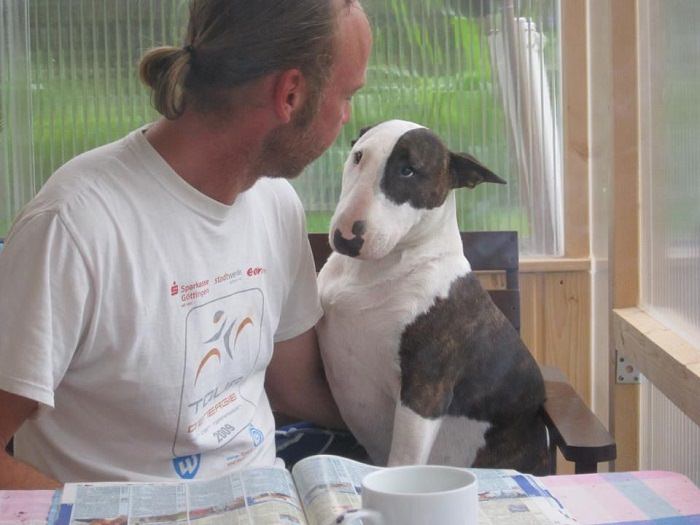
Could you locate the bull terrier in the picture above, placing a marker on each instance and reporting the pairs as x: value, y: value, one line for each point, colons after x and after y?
x: 423, y: 365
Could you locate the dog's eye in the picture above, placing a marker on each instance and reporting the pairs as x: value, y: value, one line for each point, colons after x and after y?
x: 406, y: 171
x: 358, y: 157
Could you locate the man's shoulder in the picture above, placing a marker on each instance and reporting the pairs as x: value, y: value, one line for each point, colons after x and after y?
x: 78, y: 174
x: 83, y: 185
x: 279, y: 192
x: 276, y: 185
x: 105, y: 160
x: 278, y: 206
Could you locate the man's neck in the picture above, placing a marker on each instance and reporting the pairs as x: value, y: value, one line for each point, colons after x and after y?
x: 218, y: 162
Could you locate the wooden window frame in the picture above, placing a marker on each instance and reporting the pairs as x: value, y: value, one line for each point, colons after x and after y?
x: 575, y: 140
x: 662, y: 355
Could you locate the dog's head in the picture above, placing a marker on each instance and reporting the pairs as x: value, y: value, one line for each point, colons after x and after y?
x: 397, y: 173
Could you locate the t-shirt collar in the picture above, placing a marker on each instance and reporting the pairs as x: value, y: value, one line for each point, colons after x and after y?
x: 174, y: 183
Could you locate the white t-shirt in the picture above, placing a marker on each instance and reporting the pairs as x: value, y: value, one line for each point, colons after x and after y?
x: 141, y: 315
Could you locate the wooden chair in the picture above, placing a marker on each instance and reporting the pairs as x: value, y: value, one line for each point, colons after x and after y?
x: 573, y: 428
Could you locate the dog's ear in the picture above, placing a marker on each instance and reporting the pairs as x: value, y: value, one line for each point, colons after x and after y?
x: 362, y: 132
x: 467, y: 172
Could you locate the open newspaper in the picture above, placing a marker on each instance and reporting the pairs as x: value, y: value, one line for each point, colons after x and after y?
x: 316, y: 492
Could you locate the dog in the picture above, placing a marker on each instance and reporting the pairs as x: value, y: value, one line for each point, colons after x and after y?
x: 422, y: 364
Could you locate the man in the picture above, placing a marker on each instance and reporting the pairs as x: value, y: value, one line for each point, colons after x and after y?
x: 144, y: 288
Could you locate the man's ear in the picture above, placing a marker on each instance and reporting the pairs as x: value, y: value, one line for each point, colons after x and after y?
x: 362, y: 132
x: 468, y: 172
x: 289, y: 93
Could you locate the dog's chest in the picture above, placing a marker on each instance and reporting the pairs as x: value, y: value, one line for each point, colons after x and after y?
x: 360, y: 337
x: 365, y: 317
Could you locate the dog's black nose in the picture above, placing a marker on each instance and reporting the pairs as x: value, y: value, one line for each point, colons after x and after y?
x: 350, y: 247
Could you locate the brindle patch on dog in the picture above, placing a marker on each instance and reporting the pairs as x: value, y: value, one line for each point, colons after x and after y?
x: 417, y: 171
x: 518, y: 444
x: 463, y: 358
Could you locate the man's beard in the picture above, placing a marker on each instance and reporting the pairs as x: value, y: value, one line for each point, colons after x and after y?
x: 289, y: 148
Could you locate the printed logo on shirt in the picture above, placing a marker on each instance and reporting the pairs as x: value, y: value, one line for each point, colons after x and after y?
x: 223, y: 346
x: 254, y: 271
x: 236, y: 459
x: 187, y: 466
x: 228, y: 277
x: 191, y: 292
x: 256, y: 435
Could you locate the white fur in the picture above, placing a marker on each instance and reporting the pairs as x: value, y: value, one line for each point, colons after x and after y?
x: 413, y: 444
x: 409, y: 258
x: 361, y: 197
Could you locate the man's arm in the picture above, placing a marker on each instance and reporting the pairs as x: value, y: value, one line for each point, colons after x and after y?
x: 296, y: 384
x: 15, y: 410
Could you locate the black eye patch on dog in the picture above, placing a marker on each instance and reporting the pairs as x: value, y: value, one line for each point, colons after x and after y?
x: 417, y: 170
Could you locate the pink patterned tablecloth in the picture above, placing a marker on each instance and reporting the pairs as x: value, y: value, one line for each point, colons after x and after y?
x: 26, y: 507
x: 649, y: 497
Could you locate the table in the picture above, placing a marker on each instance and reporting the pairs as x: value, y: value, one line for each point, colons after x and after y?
x: 632, y: 498
x: 649, y: 497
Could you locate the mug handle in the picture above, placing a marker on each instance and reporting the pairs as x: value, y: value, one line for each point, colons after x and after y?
x: 350, y: 516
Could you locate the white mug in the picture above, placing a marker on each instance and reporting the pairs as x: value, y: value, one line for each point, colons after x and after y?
x: 417, y: 495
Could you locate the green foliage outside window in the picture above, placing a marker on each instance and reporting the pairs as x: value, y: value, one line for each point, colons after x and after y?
x: 430, y: 64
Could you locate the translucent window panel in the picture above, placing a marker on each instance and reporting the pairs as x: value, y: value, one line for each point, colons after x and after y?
x: 69, y: 82
x: 670, y: 440
x: 670, y: 124
x: 484, y: 74
x: 17, y: 182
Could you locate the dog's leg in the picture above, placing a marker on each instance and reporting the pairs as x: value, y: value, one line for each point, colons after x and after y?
x: 413, y: 437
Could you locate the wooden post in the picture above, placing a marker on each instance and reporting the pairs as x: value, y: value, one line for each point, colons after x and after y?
x: 624, y: 227
x: 576, y: 150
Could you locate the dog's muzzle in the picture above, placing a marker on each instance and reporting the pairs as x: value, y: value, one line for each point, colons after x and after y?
x: 350, y: 247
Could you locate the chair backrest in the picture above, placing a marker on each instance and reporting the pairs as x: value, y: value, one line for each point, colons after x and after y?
x: 486, y: 251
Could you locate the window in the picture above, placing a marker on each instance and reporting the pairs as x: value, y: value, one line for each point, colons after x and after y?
x: 670, y: 228
x: 483, y: 74
x: 670, y: 116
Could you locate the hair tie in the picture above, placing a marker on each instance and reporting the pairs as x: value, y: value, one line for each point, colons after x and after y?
x: 189, y: 49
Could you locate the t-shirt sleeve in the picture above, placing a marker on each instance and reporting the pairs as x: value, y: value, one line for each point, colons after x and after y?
x: 302, y: 307
x: 44, y: 306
